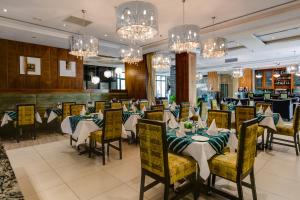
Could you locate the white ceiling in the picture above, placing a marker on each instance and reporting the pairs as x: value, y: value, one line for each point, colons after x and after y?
x: 41, y: 22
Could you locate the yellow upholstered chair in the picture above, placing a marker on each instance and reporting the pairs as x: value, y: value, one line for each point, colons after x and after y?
x: 264, y: 106
x: 222, y: 118
x: 203, y: 110
x: 126, y: 103
x: 224, y: 106
x: 158, y: 107
x: 66, y: 108
x: 115, y: 105
x: 184, y: 111
x: 76, y: 109
x: 100, y: 105
x: 267, y: 96
x: 25, y: 118
x: 111, y: 132
x: 165, y: 102
x: 156, y: 162
x: 154, y: 115
x: 289, y: 130
x: 214, y: 104
x: 143, y: 103
x: 236, y: 167
x: 283, y: 96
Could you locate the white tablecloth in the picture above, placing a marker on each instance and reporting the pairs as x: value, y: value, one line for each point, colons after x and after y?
x: 202, y: 152
x: 130, y: 124
x: 6, y: 118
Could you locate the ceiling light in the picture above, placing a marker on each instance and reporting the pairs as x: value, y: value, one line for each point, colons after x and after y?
x: 5, y: 10
x: 214, y: 47
x: 237, y: 73
x: 137, y: 20
x: 161, y: 61
x: 95, y: 80
x: 82, y: 45
x: 185, y: 37
x: 119, y: 70
x: 276, y: 74
x: 258, y: 76
x: 132, y: 54
x: 108, y: 74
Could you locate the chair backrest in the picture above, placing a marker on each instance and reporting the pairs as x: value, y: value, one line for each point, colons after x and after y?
x: 76, y: 109
x: 267, y: 95
x: 157, y: 107
x: 25, y: 114
x: 184, y: 111
x: 242, y: 114
x: 154, y: 115
x: 66, y: 108
x: 204, y: 110
x: 224, y: 106
x: 153, y: 148
x: 100, y: 105
x: 214, y: 104
x: 264, y: 105
x: 143, y: 104
x: 125, y: 102
x: 296, y: 120
x: 115, y: 105
x: 165, y: 102
x: 222, y: 118
x: 283, y: 95
x: 247, y: 147
x: 112, y: 124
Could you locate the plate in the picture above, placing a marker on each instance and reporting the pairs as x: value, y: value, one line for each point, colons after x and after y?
x: 200, y: 138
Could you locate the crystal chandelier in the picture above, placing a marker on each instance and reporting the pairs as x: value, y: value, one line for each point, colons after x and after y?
x: 132, y: 54
x: 118, y: 71
x: 185, y: 37
x: 95, y: 80
x: 237, y: 73
x: 108, y: 74
x: 137, y: 20
x: 161, y: 61
x: 214, y: 47
x: 82, y: 45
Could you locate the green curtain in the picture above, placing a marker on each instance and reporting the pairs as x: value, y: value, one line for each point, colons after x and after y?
x: 151, y: 78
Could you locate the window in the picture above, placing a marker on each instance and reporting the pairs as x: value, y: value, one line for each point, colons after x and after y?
x: 161, y: 84
x: 121, y: 81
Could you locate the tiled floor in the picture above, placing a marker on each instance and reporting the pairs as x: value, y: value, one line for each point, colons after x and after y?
x: 55, y: 171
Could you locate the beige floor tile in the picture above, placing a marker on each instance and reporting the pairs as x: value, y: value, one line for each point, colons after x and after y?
x: 123, y: 192
x: 61, y: 192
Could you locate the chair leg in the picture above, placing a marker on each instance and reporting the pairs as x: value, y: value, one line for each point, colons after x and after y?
x: 253, y: 186
x: 71, y: 140
x: 213, y: 180
x: 271, y: 141
x: 296, y: 146
x: 120, y: 146
x: 240, y: 189
x: 142, y: 185
x: 298, y: 141
x: 209, y: 184
x: 103, y: 153
x: 263, y: 141
x: 166, y: 191
x: 90, y: 147
x: 18, y: 135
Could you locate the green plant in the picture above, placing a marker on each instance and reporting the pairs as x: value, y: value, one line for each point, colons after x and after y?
x: 188, y: 125
x: 172, y: 98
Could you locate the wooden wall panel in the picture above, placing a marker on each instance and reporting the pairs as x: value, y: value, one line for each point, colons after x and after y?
x: 49, y: 80
x: 247, y: 79
x: 136, y: 80
x: 213, y: 81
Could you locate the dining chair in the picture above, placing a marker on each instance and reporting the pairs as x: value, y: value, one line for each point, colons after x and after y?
x: 184, y: 111
x: 157, y: 107
x: 267, y: 96
x: 154, y: 115
x: 143, y: 103
x: 224, y: 106
x: 116, y: 105
x: 125, y: 102
x: 111, y: 132
x: 264, y: 105
x: 236, y: 166
x: 66, y: 108
x: 222, y: 118
x: 214, y: 104
x: 25, y: 119
x: 289, y: 130
x: 283, y: 96
x: 165, y: 102
x: 157, y: 163
x: 76, y: 109
x: 100, y: 105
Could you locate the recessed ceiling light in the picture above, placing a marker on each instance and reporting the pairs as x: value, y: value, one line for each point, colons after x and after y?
x: 105, y: 35
x: 5, y: 10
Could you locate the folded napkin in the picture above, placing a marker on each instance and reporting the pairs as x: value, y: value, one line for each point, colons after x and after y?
x: 83, y: 111
x: 143, y: 109
x: 260, y: 111
x: 124, y: 108
x: 59, y: 106
x: 191, y: 113
x: 201, y: 124
x: 268, y: 111
x: 251, y: 103
x: 173, y: 123
x: 213, y: 129
x: 239, y: 103
x: 222, y: 102
x: 133, y: 108
x: 100, y: 115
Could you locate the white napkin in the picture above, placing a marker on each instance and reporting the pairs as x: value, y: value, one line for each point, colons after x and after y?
x: 239, y: 103
x: 173, y: 123
x: 100, y: 115
x: 124, y: 108
x: 251, y: 103
x: 222, y: 102
x: 260, y: 111
x: 213, y: 129
x: 59, y: 106
x: 133, y: 108
x: 268, y: 111
x: 174, y: 104
x: 201, y: 124
x: 83, y: 111
x: 191, y: 113
x: 143, y: 109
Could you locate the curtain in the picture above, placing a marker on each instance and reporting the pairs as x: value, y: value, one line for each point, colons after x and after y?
x: 151, y: 78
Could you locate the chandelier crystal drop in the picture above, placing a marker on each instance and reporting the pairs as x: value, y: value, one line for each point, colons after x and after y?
x: 214, y: 48
x: 237, y: 73
x: 132, y: 55
x: 161, y: 61
x: 83, y: 45
x: 137, y: 20
x: 185, y: 37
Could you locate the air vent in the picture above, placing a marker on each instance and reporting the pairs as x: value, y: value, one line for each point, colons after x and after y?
x: 78, y: 21
x: 230, y: 60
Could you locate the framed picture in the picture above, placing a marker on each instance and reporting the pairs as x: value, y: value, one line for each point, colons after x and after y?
x: 67, y: 68
x: 30, y: 65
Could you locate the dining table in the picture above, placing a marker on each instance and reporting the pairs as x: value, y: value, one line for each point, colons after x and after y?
x: 13, y: 115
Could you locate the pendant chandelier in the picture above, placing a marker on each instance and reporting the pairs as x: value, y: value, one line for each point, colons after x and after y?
x: 137, y: 20
x: 132, y: 54
x: 214, y: 47
x: 108, y: 74
x: 82, y: 45
x: 238, y: 73
x: 161, y: 61
x: 185, y: 37
x: 95, y: 80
